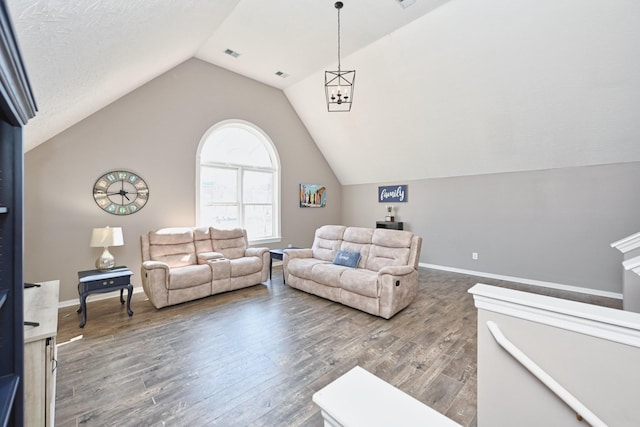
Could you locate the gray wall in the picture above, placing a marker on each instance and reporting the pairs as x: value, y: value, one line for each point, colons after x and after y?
x: 155, y: 132
x: 552, y: 225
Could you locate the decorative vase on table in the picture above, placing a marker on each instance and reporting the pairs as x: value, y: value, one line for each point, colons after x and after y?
x: 389, y: 217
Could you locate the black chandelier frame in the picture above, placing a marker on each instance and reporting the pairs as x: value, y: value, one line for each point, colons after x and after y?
x: 339, y: 85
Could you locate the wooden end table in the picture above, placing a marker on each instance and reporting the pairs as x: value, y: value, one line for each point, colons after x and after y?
x: 100, y: 281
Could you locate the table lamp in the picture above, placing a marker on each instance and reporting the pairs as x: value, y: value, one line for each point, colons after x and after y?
x: 103, y: 238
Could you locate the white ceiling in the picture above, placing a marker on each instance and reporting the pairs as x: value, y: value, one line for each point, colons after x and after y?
x: 82, y: 55
x: 444, y: 87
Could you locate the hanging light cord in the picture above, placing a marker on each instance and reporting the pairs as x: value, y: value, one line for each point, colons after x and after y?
x: 338, y: 7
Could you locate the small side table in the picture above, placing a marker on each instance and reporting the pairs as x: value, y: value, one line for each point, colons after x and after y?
x: 390, y: 225
x: 279, y: 255
x: 99, y: 281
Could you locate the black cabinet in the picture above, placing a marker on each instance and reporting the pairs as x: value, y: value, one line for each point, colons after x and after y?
x: 390, y: 225
x: 11, y: 283
x: 17, y: 106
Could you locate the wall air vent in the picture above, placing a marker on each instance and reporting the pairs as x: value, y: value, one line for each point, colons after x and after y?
x: 281, y: 74
x: 405, y: 3
x: 232, y: 53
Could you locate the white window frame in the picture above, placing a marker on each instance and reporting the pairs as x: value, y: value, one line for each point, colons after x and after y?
x: 275, y: 161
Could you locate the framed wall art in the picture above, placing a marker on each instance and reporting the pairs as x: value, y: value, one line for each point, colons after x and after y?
x: 313, y: 196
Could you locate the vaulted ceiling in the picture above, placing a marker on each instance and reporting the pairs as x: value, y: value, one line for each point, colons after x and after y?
x: 83, y: 54
x: 443, y: 88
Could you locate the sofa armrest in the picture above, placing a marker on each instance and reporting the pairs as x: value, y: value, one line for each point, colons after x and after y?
x: 155, y: 282
x: 203, y: 257
x: 290, y: 254
x: 398, y: 287
x: 397, y: 270
x: 259, y: 252
x: 298, y: 253
x: 263, y: 254
x: 151, y: 265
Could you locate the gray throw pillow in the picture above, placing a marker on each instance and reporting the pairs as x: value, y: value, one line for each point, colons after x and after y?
x: 346, y: 258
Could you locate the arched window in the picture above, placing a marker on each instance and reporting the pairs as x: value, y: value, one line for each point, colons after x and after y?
x: 238, y: 180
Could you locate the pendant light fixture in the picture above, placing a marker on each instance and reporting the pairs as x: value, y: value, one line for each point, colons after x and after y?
x: 338, y: 85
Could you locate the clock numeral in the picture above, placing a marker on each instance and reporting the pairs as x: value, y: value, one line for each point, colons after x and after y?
x: 103, y: 201
x: 132, y: 208
x: 122, y: 210
x: 140, y: 185
x: 139, y: 202
x: 111, y: 208
x: 101, y: 184
x: 111, y: 177
x: 132, y: 179
x: 122, y: 175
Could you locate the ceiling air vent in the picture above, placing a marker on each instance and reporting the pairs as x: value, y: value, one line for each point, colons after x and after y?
x: 281, y: 74
x: 405, y: 3
x: 232, y: 53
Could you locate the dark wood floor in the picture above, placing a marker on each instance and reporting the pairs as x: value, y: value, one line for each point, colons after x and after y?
x: 254, y: 357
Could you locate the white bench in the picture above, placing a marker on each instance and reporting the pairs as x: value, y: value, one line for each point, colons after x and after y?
x: 359, y: 398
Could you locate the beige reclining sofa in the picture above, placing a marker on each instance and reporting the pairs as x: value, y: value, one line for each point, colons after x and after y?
x: 373, y: 270
x: 186, y: 263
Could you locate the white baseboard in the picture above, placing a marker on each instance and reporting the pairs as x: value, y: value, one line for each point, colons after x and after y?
x: 97, y: 297
x: 532, y: 282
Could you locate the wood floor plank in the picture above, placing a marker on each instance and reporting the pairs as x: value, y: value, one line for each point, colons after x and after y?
x: 255, y: 356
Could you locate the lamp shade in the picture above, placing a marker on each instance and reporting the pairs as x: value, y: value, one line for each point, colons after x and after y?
x: 107, y: 236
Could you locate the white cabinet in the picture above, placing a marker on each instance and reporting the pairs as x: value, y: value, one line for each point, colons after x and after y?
x: 359, y: 398
x: 41, y: 308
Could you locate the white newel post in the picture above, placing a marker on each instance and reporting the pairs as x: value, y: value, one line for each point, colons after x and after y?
x: 630, y: 248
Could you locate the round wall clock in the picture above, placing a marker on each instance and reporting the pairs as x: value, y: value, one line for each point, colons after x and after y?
x: 120, y: 192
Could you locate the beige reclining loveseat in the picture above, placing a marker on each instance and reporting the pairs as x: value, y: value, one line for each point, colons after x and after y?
x: 383, y: 279
x: 186, y: 263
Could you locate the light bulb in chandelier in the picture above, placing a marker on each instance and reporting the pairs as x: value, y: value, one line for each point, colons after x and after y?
x: 340, y: 97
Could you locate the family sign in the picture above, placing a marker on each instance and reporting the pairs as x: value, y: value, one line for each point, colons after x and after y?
x: 392, y: 193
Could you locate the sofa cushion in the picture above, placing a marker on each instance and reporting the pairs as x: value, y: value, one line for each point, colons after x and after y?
x: 381, y: 256
x: 389, y: 247
x: 231, y: 243
x: 331, y: 232
x: 189, y: 276
x: 347, y: 259
x: 171, y: 236
x: 357, y: 239
x: 202, y: 239
x: 392, y: 238
x: 303, y: 267
x: 360, y: 281
x: 172, y: 246
x: 358, y: 235
x: 245, y: 266
x: 327, y: 241
x: 327, y: 274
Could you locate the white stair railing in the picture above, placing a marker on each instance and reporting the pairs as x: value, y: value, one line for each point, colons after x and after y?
x: 582, y: 411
